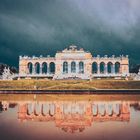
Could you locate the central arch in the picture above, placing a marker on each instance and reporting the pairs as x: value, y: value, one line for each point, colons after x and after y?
x: 37, y: 68
x: 102, y: 67
x: 81, y: 67
x: 52, y: 67
x: 44, y: 67
x: 73, y: 67
x: 30, y: 68
x: 65, y: 67
x: 109, y: 67
x: 117, y: 67
x: 94, y: 67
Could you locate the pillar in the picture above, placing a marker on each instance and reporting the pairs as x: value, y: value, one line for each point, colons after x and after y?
x: 98, y: 68
x: 40, y: 71
x: 77, y: 67
x: 22, y: 112
x: 113, y: 69
x: 33, y: 71
x: 61, y: 68
x: 105, y: 69
x: 48, y: 68
x: 69, y: 67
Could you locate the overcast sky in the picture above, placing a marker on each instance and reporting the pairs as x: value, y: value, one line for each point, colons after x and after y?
x: 41, y: 27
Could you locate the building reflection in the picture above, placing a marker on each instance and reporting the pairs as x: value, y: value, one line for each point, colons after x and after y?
x: 4, y: 105
x: 72, y: 116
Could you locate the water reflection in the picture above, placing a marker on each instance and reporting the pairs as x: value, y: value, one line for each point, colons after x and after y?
x: 84, y: 119
x: 72, y: 116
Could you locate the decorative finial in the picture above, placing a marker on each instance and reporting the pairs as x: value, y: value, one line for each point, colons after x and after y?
x: 72, y: 47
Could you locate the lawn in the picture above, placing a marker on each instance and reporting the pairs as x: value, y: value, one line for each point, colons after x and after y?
x: 68, y: 84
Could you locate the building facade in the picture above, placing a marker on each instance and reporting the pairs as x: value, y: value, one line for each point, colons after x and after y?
x: 73, y: 63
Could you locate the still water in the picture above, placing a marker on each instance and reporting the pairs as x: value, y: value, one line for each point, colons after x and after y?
x: 69, y: 117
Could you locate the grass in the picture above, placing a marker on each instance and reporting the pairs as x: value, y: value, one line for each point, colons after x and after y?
x: 68, y: 84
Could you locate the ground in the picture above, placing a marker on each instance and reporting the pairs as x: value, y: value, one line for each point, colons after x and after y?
x: 68, y: 84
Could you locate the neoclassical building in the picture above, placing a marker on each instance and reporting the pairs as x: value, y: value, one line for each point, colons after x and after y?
x: 73, y: 63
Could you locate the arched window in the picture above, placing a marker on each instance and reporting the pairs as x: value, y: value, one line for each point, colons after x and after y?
x: 117, y: 67
x: 37, y: 68
x: 30, y: 68
x: 65, y: 67
x: 44, y: 67
x: 102, y: 67
x: 94, y: 67
x: 109, y: 67
x: 52, y: 67
x: 81, y: 67
x: 73, y: 67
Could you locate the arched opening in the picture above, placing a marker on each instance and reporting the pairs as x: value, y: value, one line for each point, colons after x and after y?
x: 102, y: 67
x: 109, y: 67
x: 52, y: 110
x: 117, y: 67
x: 37, y: 68
x: 94, y: 67
x: 52, y: 67
x: 81, y: 67
x: 44, y: 67
x: 37, y: 108
x: 30, y: 68
x: 65, y: 67
x: 73, y: 67
x: 29, y: 108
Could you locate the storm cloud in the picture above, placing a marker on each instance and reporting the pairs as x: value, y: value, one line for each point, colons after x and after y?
x: 41, y: 27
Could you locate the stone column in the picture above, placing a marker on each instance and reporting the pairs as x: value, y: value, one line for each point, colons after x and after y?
x: 77, y: 67
x: 40, y: 71
x: 105, y: 70
x: 27, y: 69
x: 48, y: 68
x: 98, y: 68
x: 69, y: 67
x: 61, y: 68
x: 113, y: 69
x: 33, y: 70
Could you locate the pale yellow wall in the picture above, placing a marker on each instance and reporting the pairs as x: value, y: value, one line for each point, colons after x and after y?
x: 125, y: 65
x: 23, y: 66
x: 85, y: 57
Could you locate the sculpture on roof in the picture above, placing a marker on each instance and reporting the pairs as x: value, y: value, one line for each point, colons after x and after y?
x: 73, y: 47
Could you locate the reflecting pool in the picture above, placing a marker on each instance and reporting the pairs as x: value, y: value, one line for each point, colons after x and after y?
x: 69, y: 117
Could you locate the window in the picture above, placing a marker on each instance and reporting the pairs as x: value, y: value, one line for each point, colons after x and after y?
x: 73, y: 67
x: 65, y: 67
x: 81, y: 67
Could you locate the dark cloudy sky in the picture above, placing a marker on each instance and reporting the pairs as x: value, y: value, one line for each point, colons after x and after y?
x: 34, y: 27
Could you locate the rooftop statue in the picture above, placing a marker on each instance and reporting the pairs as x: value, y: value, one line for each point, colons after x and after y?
x: 73, y: 47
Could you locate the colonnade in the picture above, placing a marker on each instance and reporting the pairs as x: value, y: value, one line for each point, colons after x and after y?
x: 41, y: 68
x: 106, y: 68
x: 77, y: 67
x: 96, y: 109
x: 73, y: 67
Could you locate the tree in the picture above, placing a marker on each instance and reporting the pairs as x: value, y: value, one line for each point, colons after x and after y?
x: 7, y: 74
